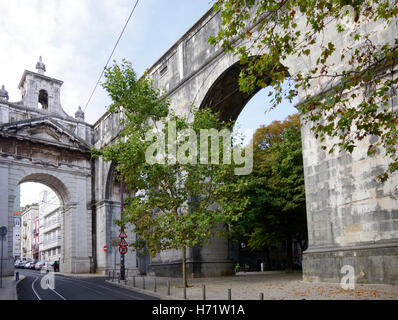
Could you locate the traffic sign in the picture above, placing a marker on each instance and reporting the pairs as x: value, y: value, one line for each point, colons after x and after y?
x: 105, y: 248
x: 123, y: 249
x: 122, y: 234
x: 123, y: 243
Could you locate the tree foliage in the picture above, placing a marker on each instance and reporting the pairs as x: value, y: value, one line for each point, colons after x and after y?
x: 265, y: 33
x: 276, y: 209
x: 173, y: 206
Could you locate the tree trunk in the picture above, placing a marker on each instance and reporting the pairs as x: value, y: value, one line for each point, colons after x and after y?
x: 184, y: 267
x: 289, y: 253
x: 267, y: 257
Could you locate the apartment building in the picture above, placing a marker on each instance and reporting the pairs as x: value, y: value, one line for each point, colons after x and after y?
x: 50, y: 241
x: 16, y: 235
x: 29, y: 220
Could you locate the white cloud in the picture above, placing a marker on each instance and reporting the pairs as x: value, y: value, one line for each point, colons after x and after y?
x: 74, y: 38
x: 31, y: 192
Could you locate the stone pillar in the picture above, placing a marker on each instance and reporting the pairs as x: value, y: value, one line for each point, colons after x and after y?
x: 75, y: 257
x: 352, y: 217
x: 6, y: 219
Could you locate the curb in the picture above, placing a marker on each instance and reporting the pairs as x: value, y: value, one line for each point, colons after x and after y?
x: 146, y: 292
x: 74, y: 275
x: 21, y: 277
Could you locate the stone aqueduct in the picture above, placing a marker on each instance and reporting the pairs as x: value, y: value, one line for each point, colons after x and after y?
x: 352, y: 219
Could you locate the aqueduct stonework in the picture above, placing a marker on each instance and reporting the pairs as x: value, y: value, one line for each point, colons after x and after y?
x: 352, y: 218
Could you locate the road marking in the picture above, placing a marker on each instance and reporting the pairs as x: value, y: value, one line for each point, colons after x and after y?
x: 80, y: 285
x: 79, y: 282
x: 34, y: 288
x: 37, y: 278
x: 59, y: 295
x: 132, y: 295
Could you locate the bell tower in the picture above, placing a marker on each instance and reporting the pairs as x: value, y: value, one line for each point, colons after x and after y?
x: 40, y: 91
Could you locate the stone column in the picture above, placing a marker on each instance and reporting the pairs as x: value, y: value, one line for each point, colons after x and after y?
x: 6, y: 219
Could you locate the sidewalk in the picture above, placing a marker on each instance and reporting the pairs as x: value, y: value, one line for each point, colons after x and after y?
x: 274, y: 285
x: 8, y: 291
x: 80, y: 275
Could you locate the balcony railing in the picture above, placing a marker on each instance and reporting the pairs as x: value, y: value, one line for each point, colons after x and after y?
x: 51, y: 240
x: 51, y: 223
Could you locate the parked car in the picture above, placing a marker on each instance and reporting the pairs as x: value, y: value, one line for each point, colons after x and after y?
x: 30, y: 264
x: 27, y: 265
x: 33, y: 264
x: 16, y: 263
x: 39, y: 265
x: 21, y: 264
x: 51, y: 266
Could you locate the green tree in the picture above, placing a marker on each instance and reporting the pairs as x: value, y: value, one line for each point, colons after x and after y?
x: 276, y: 209
x: 175, y: 193
x: 279, y: 29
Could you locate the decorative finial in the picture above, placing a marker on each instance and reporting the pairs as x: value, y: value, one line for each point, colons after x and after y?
x: 79, y: 114
x: 40, y: 66
x: 3, y: 93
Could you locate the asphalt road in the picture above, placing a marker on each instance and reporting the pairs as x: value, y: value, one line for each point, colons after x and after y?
x: 61, y: 287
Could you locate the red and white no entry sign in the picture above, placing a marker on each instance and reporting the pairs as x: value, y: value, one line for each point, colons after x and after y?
x: 105, y: 248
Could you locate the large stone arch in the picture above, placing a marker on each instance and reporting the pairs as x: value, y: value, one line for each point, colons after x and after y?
x: 108, y: 210
x: 41, y: 150
x: 72, y: 188
x: 224, y: 95
x: 352, y: 217
x: 52, y: 182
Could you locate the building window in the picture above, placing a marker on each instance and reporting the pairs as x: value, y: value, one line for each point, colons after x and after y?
x: 43, y: 99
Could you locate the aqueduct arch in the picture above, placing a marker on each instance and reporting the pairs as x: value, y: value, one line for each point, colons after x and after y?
x: 224, y: 95
x: 107, y: 232
x: 352, y: 217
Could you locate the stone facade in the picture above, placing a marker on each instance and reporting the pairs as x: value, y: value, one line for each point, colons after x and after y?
x: 39, y: 142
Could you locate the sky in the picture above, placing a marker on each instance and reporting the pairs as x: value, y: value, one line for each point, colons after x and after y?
x: 76, y: 37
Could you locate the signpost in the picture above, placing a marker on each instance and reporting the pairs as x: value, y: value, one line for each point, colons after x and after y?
x: 3, y: 233
x: 122, y: 249
x: 105, y: 248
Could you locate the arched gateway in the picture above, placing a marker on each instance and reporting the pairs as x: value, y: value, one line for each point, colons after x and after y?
x: 44, y: 144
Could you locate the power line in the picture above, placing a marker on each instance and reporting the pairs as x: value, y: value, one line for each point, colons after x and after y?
x: 114, y: 48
